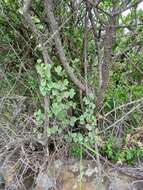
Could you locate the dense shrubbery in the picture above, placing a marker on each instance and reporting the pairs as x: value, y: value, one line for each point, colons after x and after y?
x: 40, y: 55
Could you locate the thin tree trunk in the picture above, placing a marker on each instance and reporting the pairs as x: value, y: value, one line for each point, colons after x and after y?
x: 109, y: 39
x: 46, y: 57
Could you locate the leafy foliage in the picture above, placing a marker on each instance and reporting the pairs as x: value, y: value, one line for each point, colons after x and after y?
x: 82, y: 30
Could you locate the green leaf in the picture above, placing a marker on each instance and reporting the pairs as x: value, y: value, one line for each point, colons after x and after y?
x: 43, y: 82
x: 58, y: 70
x: 39, y: 61
x: 89, y: 127
x: 66, y: 94
x: 66, y: 82
x: 71, y: 93
x: 43, y: 90
x: 80, y: 138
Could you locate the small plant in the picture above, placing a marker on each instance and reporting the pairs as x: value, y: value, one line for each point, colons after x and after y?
x: 87, y: 121
x: 60, y: 94
x: 76, y: 150
x: 127, y: 153
x: 61, y: 100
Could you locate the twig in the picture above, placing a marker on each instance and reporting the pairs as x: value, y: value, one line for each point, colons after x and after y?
x: 85, y: 55
x: 131, y: 62
x: 126, y: 8
x: 123, y: 106
x: 122, y: 118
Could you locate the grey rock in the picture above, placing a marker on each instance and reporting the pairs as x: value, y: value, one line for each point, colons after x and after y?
x: 44, y: 182
x: 137, y: 185
x: 91, y: 171
x: 58, y: 164
x: 119, y: 184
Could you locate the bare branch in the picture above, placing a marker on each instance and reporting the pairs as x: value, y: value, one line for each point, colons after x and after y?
x: 92, y: 22
x: 126, y: 8
x: 59, y: 47
x: 124, y: 105
x: 85, y: 55
x: 131, y: 62
x: 123, y: 117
